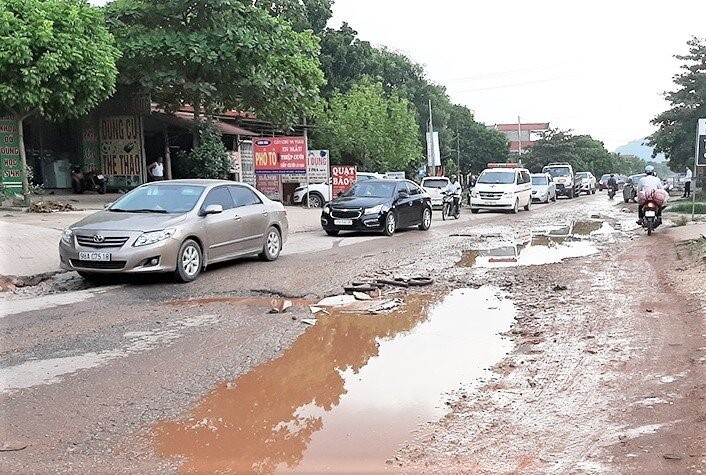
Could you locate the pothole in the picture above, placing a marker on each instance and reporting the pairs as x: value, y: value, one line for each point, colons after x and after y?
x: 349, y: 390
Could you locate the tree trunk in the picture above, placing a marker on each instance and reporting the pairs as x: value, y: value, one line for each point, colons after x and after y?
x: 23, y: 159
x: 197, y: 123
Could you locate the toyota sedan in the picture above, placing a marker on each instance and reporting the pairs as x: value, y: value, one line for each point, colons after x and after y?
x: 178, y: 226
x: 378, y: 205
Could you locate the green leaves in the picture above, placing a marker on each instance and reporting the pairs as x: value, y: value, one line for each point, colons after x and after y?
x: 57, y: 58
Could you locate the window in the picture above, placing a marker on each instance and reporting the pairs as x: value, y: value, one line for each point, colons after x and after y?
x: 439, y: 183
x: 539, y: 180
x: 219, y: 196
x: 403, y: 188
x: 496, y: 178
x: 524, y: 177
x: 159, y: 198
x: 244, y: 196
x: 414, y: 189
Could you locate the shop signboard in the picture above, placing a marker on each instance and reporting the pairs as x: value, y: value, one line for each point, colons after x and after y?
x: 10, y: 154
x: 247, y: 163
x: 280, y: 155
x: 269, y: 185
x: 701, y: 144
x: 121, y: 150
x: 236, y: 169
x: 317, y: 162
x: 342, y: 178
x: 90, y: 148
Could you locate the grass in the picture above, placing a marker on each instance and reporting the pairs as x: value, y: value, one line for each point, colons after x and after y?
x: 685, y: 207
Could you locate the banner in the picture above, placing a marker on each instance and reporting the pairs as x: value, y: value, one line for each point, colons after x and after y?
x: 280, y: 155
x: 317, y: 162
x: 247, y: 163
x: 342, y: 178
x: 269, y: 186
x: 10, y: 153
x: 121, y: 146
x: 701, y: 145
x: 433, y: 153
x: 90, y: 149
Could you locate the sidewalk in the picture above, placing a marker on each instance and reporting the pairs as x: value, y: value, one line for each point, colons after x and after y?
x: 29, y: 241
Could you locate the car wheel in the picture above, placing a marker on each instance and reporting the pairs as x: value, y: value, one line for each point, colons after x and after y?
x: 315, y: 200
x: 554, y: 198
x: 189, y: 261
x: 93, y: 277
x: 626, y: 200
x: 529, y: 205
x: 474, y: 210
x: 571, y: 194
x: 426, y: 219
x: 390, y: 224
x: 332, y: 232
x: 593, y: 191
x: 516, y: 208
x: 272, y: 246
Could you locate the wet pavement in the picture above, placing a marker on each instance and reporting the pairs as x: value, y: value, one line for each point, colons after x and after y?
x: 348, y: 392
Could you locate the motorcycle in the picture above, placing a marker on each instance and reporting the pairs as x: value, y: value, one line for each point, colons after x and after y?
x: 611, y: 192
x: 91, y: 181
x: 652, y: 218
x: 448, y: 205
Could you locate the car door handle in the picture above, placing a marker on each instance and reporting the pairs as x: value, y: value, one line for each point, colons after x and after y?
x: 237, y: 218
x: 265, y: 213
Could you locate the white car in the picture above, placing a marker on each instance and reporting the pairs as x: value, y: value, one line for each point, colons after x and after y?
x: 319, y: 192
x: 502, y: 186
x: 543, y: 188
x: 588, y: 182
x: 434, y: 187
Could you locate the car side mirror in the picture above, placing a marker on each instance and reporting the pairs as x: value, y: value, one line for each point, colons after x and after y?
x: 403, y: 194
x: 339, y: 194
x: 213, y: 209
x: 107, y: 205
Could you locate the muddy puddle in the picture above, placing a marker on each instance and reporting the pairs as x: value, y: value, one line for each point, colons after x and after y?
x: 347, y: 393
x: 275, y: 303
x: 547, y: 245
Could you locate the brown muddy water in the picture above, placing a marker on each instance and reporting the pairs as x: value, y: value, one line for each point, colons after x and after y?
x: 347, y: 393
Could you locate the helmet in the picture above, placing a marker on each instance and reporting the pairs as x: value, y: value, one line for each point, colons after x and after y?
x: 650, y: 170
x: 612, y: 174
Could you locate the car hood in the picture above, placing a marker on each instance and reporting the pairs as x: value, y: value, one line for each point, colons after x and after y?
x: 540, y: 187
x: 358, y: 202
x: 143, y: 222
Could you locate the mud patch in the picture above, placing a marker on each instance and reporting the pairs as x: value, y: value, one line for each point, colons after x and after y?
x: 347, y: 393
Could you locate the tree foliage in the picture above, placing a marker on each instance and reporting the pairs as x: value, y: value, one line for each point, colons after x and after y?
x: 676, y: 136
x: 208, y: 159
x: 370, y: 128
x: 218, y: 54
x: 57, y: 60
x: 302, y: 14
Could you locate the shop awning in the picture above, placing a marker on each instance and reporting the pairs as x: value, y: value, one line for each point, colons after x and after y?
x: 186, y: 121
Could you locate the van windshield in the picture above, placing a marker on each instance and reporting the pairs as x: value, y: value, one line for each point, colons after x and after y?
x: 558, y: 171
x: 435, y: 183
x: 497, y: 178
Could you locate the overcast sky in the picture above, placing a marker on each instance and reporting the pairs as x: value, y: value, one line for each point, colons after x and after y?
x: 596, y: 67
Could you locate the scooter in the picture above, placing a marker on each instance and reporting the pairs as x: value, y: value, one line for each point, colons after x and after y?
x: 448, y: 205
x: 91, y: 181
x: 611, y: 192
x: 652, y: 217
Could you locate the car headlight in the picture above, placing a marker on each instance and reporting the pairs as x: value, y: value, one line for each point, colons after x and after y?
x: 327, y: 209
x: 301, y: 188
x: 154, y: 236
x: 507, y: 194
x: 67, y: 236
x: 374, y: 210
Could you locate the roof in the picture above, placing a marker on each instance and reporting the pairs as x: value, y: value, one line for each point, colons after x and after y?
x: 185, y: 120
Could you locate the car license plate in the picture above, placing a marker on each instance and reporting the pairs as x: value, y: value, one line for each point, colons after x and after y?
x: 343, y: 222
x: 650, y: 214
x: 94, y: 256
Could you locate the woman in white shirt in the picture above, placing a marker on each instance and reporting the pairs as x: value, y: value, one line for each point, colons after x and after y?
x: 156, y: 170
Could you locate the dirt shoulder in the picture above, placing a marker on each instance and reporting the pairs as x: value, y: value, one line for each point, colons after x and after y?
x: 606, y: 377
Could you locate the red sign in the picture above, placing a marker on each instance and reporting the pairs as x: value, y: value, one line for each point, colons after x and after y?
x: 280, y: 155
x: 269, y: 186
x: 342, y: 178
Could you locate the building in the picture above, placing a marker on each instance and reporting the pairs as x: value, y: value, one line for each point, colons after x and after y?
x: 521, y: 136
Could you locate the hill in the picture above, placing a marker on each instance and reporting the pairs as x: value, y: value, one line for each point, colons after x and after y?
x: 639, y: 149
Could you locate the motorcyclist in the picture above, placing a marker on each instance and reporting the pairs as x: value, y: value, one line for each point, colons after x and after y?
x: 612, y: 183
x: 454, y: 188
x: 648, y: 182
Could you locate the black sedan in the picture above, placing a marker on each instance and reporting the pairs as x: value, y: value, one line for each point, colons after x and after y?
x: 378, y: 205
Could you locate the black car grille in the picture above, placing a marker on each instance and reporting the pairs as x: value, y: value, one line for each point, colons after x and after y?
x: 491, y: 195
x: 108, y: 241
x: 111, y: 265
x: 346, y: 213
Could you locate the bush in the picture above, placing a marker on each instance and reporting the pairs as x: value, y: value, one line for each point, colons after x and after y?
x: 685, y: 207
x: 208, y: 160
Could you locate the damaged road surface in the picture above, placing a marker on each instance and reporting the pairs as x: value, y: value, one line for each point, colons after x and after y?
x: 544, y: 342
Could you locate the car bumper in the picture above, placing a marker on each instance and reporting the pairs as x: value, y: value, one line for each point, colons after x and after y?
x: 586, y: 187
x: 367, y: 222
x: 540, y: 196
x: 501, y: 203
x: 563, y: 190
x: 124, y: 260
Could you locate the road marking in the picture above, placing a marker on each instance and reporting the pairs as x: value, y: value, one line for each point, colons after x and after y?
x: 29, y: 304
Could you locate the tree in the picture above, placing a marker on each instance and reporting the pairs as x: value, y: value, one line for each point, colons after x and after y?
x: 478, y: 145
x: 371, y: 129
x: 676, y: 136
x: 302, y: 14
x: 215, y: 55
x: 57, y: 60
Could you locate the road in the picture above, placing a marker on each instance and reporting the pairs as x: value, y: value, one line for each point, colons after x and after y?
x: 142, y: 375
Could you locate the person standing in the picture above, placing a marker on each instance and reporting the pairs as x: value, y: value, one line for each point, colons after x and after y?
x: 156, y: 170
x: 687, y: 183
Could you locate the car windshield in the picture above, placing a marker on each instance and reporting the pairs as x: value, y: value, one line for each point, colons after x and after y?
x: 605, y: 177
x: 539, y: 180
x: 497, y: 178
x: 435, y: 183
x: 558, y: 171
x: 582, y: 174
x: 372, y: 189
x: 162, y: 198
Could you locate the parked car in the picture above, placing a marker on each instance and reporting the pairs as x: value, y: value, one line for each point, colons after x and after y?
x: 630, y: 188
x: 502, y: 186
x: 543, y: 187
x: 378, y: 205
x: 178, y: 226
x: 603, y: 182
x: 319, y: 193
x: 587, y: 182
x: 434, y: 187
x: 564, y: 178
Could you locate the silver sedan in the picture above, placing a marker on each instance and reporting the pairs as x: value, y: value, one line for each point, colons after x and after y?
x: 178, y: 226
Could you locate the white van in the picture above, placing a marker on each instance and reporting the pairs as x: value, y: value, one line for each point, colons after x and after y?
x: 435, y: 186
x: 503, y: 186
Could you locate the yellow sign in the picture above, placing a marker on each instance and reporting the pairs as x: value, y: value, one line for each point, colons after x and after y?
x: 120, y: 145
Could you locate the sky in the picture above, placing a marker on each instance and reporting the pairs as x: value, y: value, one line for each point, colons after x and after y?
x: 597, y: 68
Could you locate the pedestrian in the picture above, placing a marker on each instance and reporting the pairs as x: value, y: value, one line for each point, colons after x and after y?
x: 156, y: 170
x: 687, y: 183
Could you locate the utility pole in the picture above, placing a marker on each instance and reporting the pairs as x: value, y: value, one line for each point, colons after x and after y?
x: 458, y: 152
x: 519, y: 138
